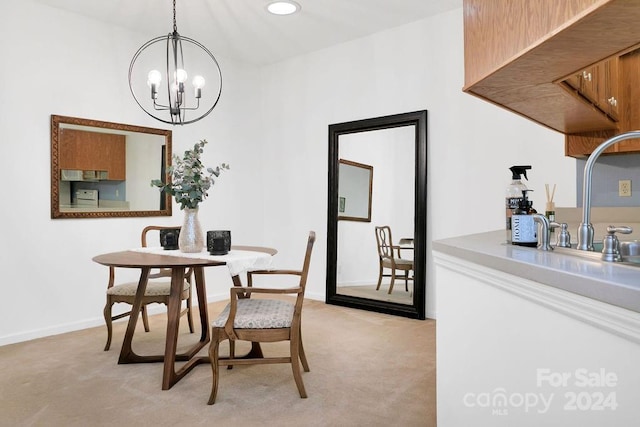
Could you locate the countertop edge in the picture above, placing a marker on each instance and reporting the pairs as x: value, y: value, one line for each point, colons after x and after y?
x: 610, y: 283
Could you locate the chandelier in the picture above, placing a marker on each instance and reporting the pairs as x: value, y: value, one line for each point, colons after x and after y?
x: 170, y: 97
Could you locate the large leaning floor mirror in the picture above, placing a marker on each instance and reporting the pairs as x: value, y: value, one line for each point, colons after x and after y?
x: 377, y: 214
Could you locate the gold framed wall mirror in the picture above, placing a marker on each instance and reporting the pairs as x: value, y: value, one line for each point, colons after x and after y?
x: 396, y: 147
x: 102, y: 169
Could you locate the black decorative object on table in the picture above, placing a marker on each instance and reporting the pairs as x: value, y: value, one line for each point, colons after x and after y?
x: 219, y: 242
x: 169, y: 238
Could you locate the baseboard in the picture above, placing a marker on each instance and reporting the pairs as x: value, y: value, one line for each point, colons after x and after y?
x: 87, y: 323
x: 99, y: 321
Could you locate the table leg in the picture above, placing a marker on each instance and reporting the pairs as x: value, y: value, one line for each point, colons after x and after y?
x: 202, y: 304
x: 126, y: 353
x: 173, y: 322
x: 170, y: 375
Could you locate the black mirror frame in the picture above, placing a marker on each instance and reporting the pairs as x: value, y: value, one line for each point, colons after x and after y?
x: 56, y: 121
x: 419, y: 120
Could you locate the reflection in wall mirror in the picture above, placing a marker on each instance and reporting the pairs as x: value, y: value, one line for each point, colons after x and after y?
x: 355, y: 185
x: 103, y: 169
x: 396, y: 147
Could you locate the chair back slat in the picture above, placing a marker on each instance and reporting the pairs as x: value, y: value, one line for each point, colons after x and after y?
x: 384, y: 241
x: 163, y: 272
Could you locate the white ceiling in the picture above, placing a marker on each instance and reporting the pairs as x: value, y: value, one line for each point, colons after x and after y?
x: 244, y: 31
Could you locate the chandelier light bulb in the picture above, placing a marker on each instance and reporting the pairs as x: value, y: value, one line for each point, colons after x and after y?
x: 154, y: 78
x: 198, y: 82
x: 181, y: 75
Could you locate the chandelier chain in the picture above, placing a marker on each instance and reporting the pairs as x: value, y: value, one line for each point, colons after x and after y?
x: 175, y: 26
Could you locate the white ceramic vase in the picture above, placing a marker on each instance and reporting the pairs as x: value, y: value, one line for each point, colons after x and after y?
x: 191, y: 239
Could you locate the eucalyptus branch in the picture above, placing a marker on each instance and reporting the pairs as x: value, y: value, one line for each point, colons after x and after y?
x: 190, y: 180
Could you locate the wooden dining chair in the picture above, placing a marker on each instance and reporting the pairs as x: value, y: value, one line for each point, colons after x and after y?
x: 157, y: 291
x: 389, y: 258
x: 263, y: 320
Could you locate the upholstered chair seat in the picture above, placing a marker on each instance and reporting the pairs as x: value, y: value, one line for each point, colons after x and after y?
x: 258, y: 314
x: 154, y: 288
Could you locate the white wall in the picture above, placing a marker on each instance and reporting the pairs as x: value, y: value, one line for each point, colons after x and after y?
x: 418, y: 66
x: 65, y: 64
x: 144, y: 159
x: 271, y: 126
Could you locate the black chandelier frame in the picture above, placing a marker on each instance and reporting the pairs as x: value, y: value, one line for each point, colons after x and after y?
x: 176, y: 99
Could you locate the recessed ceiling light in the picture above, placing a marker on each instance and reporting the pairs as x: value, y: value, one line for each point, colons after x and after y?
x: 283, y: 7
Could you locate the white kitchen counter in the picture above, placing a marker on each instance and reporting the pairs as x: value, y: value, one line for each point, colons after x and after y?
x: 103, y: 206
x: 612, y: 283
x: 81, y: 208
x: 529, y: 338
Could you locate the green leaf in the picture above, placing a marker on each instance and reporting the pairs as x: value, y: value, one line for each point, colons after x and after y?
x: 190, y: 178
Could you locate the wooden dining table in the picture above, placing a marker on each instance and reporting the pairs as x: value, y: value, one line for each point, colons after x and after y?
x: 146, y: 260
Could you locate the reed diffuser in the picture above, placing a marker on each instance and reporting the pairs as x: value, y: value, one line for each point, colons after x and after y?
x: 550, y: 209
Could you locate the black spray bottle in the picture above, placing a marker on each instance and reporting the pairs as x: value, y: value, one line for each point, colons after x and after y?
x: 513, y: 195
x: 524, y: 230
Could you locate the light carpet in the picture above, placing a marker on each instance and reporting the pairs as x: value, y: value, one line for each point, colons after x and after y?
x: 367, y: 369
x: 398, y: 295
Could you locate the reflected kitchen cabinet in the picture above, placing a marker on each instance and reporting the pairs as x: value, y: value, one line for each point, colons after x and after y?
x: 93, y: 151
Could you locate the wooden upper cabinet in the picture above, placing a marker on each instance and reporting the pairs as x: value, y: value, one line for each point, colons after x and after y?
x: 618, y: 90
x: 597, y: 85
x: 93, y: 151
x: 586, y: 83
x: 529, y: 56
x: 496, y: 32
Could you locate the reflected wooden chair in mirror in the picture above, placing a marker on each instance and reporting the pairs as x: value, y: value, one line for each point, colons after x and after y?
x: 157, y: 291
x: 390, y: 258
x: 263, y: 319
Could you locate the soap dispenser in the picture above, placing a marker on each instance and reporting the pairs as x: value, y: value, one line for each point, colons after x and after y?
x: 524, y: 230
x: 513, y: 194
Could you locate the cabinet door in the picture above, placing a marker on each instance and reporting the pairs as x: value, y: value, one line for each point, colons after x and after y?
x: 589, y: 83
x: 608, y: 88
x: 575, y: 81
x: 82, y: 150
